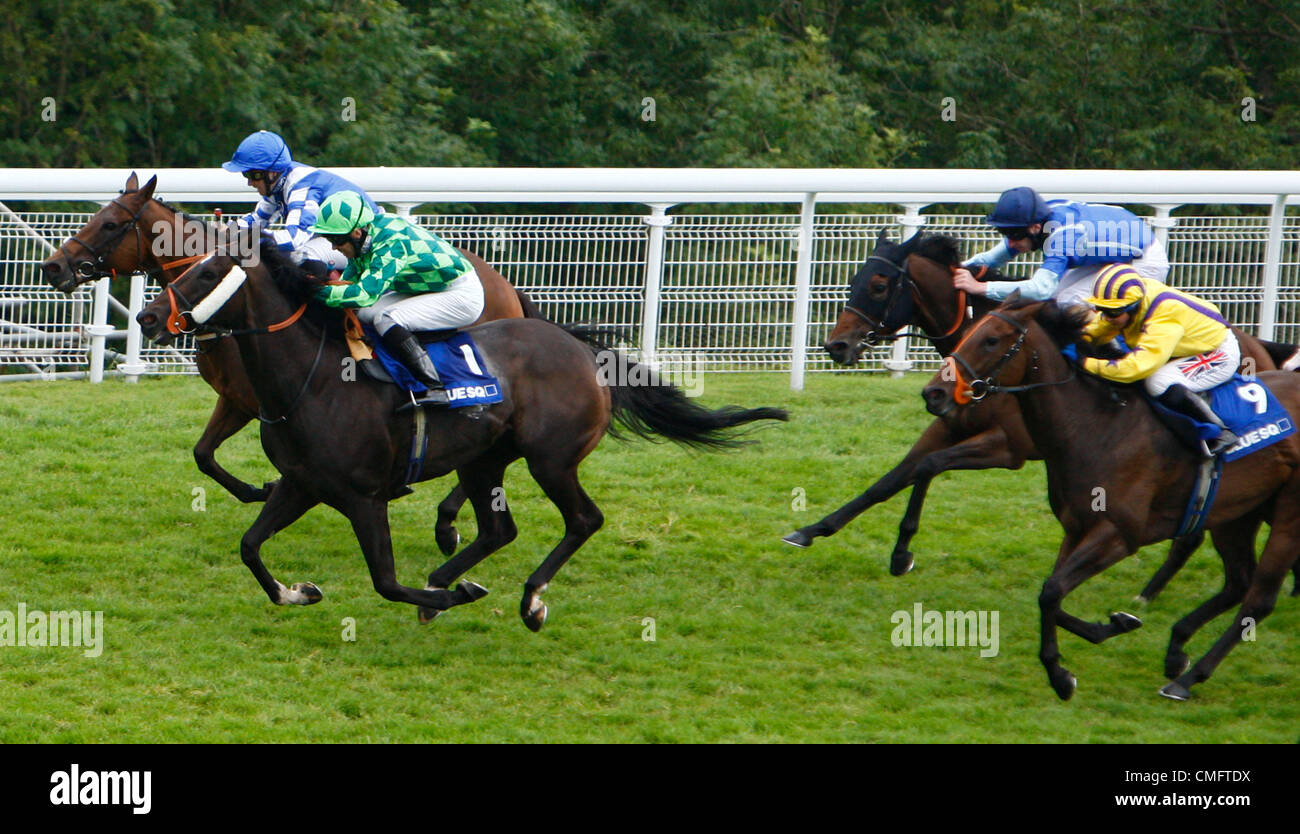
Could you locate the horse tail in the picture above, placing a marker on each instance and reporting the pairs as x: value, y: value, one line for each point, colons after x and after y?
x: 651, y: 408
x: 529, y: 308
x: 1285, y: 357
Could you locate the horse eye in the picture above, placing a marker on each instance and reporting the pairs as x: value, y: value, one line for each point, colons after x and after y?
x: 990, y: 341
x: 110, y: 226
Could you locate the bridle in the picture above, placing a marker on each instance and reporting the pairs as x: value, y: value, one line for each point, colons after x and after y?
x: 185, y: 322
x: 96, y: 265
x: 980, y: 387
x: 904, y: 299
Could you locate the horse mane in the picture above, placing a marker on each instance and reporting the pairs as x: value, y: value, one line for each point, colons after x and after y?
x: 1063, y: 324
x: 298, y: 285
x: 943, y: 249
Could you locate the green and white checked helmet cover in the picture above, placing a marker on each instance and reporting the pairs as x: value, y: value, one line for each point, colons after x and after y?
x: 342, y: 212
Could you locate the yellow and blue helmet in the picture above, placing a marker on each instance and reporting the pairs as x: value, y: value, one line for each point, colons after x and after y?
x: 1118, y: 287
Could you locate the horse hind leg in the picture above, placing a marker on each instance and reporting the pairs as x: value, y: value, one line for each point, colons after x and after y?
x: 481, y: 481
x: 582, y: 518
x: 1279, y: 555
x: 1179, y: 552
x: 1235, y: 543
x: 286, y: 505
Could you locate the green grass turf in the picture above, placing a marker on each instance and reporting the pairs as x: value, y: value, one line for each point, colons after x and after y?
x: 754, y: 641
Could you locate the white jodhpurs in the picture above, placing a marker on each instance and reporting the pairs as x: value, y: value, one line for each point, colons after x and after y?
x: 459, y: 305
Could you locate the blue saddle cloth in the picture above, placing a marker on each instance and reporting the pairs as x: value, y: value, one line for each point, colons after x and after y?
x: 459, y: 364
x: 1248, y: 408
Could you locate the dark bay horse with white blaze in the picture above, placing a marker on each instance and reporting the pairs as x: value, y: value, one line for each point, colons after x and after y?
x: 343, y: 444
x: 910, y: 283
x: 121, y: 238
x: 1095, y: 438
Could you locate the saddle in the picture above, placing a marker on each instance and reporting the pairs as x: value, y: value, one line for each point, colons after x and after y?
x: 1246, y: 406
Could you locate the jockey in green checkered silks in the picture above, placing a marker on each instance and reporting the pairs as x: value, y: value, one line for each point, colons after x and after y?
x: 401, y: 279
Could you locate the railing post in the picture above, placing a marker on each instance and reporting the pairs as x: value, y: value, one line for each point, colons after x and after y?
x: 1272, y: 264
x: 910, y: 222
x: 98, y: 329
x: 132, y: 367
x: 404, y: 209
x: 657, y: 220
x: 1162, y: 222
x: 802, y: 291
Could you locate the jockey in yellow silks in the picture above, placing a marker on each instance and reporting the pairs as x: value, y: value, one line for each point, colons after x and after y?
x: 1178, y: 343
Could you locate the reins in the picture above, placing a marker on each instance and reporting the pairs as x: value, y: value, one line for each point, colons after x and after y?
x: 980, y: 387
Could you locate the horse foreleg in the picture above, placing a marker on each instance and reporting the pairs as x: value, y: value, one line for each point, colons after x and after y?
x: 286, y: 505
x: 986, y: 450
x: 1098, y: 549
x: 480, y: 479
x: 936, y: 437
x: 1279, y: 555
x: 1179, y: 552
x: 369, y: 517
x: 226, y: 420
x: 582, y: 518
x: 1235, y: 543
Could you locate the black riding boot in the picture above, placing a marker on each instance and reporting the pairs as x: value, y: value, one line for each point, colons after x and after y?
x: 1179, y: 398
x: 407, y: 348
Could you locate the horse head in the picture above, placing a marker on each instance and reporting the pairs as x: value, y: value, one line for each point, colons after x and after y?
x: 112, y: 241
x: 1001, y: 352
x: 884, y: 295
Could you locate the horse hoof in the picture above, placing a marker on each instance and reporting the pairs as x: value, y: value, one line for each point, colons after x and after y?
x: 448, y: 540
x: 1064, y: 684
x: 472, y: 591
x: 307, y: 592
x: 1124, y: 623
x: 798, y: 538
x: 901, y: 564
x: 535, y: 617
x: 1176, y: 691
x: 427, y: 615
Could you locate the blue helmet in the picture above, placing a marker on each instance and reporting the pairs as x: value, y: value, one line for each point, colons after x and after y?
x: 1018, y: 208
x: 261, y: 151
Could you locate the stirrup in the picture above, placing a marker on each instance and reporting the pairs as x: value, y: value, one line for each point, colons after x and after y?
x: 433, y: 396
x: 1221, y: 444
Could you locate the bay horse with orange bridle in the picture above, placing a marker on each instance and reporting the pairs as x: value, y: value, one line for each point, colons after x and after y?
x: 1095, y: 435
x: 120, y: 239
x: 910, y: 284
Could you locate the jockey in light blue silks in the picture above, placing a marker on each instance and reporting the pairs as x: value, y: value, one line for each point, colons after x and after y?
x: 292, y: 192
x: 1077, y: 241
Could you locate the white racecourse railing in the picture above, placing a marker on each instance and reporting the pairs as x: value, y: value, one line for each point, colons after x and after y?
x: 715, y: 292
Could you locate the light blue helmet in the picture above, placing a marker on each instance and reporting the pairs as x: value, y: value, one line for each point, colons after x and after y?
x: 261, y: 151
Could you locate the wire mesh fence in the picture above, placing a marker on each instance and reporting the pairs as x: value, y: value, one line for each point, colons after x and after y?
x: 726, y: 293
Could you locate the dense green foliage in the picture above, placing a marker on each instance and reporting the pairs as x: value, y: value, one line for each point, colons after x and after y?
x: 954, y: 83
x: 754, y: 640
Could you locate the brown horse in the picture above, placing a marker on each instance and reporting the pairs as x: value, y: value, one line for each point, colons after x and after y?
x: 1096, y: 438
x: 911, y: 284
x: 342, y: 443
x: 120, y: 239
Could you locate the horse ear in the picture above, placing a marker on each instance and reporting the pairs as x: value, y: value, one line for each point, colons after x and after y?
x: 147, y: 191
x: 132, y: 182
x: 883, y: 238
x: 1012, y: 299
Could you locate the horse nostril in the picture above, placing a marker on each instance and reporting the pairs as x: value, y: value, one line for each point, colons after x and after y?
x: 836, y: 347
